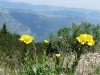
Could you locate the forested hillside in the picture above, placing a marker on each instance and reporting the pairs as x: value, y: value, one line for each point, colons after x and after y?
x: 41, y: 20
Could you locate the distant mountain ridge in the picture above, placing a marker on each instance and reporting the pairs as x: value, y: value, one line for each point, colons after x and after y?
x: 41, y: 20
x: 29, y: 7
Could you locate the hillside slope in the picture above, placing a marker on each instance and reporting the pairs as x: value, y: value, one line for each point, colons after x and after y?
x: 38, y: 25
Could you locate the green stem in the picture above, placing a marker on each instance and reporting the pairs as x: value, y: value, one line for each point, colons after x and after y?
x: 44, y: 56
x: 44, y: 53
x: 57, y: 65
x: 57, y: 60
x: 77, y: 58
x: 35, y: 59
x: 25, y: 56
x: 25, y: 50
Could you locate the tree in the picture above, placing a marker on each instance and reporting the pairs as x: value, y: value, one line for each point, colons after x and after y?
x: 66, y: 37
x: 4, y: 28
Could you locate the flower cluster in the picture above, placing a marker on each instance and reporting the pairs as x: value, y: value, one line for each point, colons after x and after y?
x: 26, y: 39
x: 86, y: 39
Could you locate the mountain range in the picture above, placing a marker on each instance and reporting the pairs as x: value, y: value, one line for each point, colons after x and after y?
x: 41, y: 20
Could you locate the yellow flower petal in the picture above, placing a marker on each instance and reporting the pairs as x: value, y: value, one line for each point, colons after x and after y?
x: 86, y: 39
x: 46, y: 42
x: 57, y: 55
x: 26, y: 38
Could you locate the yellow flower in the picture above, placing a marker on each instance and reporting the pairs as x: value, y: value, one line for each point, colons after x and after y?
x: 46, y: 42
x: 57, y: 55
x: 86, y: 39
x: 26, y: 39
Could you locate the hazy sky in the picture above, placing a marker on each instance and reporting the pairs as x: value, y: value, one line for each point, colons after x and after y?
x: 89, y: 4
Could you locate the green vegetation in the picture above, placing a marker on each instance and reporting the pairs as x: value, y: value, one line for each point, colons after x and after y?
x: 59, y: 55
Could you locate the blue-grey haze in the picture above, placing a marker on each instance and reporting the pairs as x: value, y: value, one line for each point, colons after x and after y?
x: 89, y: 4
